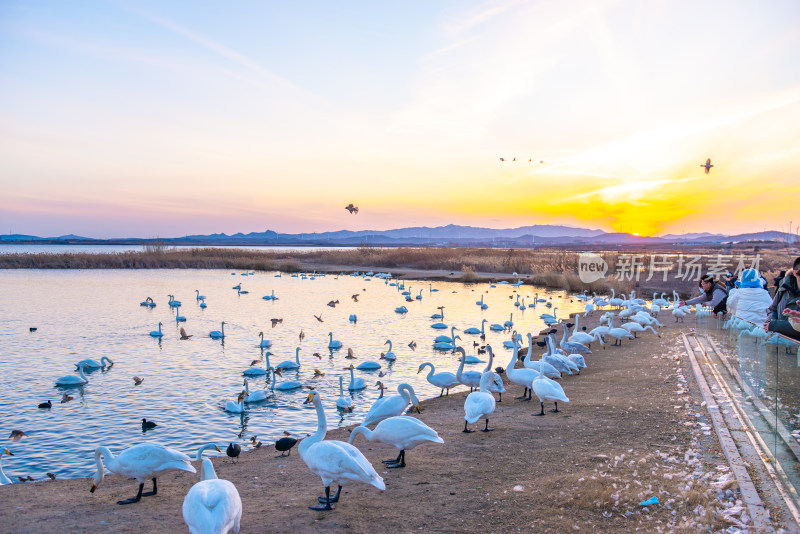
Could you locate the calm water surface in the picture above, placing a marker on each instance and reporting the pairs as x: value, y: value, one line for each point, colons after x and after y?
x: 94, y: 313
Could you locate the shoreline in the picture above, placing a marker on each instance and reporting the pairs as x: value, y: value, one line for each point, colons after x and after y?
x: 623, y: 406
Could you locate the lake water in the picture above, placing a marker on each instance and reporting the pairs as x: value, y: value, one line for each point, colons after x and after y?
x: 94, y: 313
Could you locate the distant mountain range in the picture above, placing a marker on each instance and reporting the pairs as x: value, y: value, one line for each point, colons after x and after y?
x: 450, y: 235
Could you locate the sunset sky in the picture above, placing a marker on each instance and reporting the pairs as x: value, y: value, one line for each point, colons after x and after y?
x: 166, y: 118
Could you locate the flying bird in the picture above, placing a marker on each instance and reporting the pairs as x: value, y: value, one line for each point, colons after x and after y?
x: 184, y: 335
x: 412, y: 345
x: 302, y: 335
x: 317, y: 374
x: 276, y: 321
x: 502, y: 159
x: 708, y: 165
x: 355, y: 297
x: 352, y: 209
x: 66, y: 398
x: 52, y: 476
x: 319, y: 318
x: 350, y: 355
x: 137, y: 380
x: 17, y: 435
x: 333, y: 303
x: 318, y: 355
x: 254, y: 362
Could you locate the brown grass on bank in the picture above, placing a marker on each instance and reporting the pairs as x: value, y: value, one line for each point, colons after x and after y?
x: 551, y: 267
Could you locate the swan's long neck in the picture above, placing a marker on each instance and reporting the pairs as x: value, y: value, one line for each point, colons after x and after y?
x: 261, y: 335
x: 389, y: 341
x: 612, y: 293
x: 105, y: 359
x: 461, y: 365
x: 407, y: 391
x: 513, y: 358
x: 207, y: 470
x: 564, y: 338
x: 297, y: 355
x: 366, y: 432
x: 352, y: 376
x: 486, y: 377
x: 222, y: 328
x: 322, y: 427
x: 430, y: 373
x: 453, y: 333
x: 482, y: 326
x: 246, y: 390
x: 341, y: 389
x: 98, y: 460
x: 530, y: 347
x: 201, y: 450
x: 330, y: 337
x: 489, y: 364
x: 577, y: 327
x: 80, y: 372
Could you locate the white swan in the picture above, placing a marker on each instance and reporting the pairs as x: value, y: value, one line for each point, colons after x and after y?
x: 333, y: 343
x: 474, y: 330
x: 236, y: 407
x: 444, y: 381
x: 548, y: 390
x: 264, y: 343
x: 258, y: 371
x: 157, y: 333
x: 172, y: 302
x: 546, y: 368
x: 212, y: 505
x: 510, y: 322
x: 521, y: 377
x: 570, y: 347
x: 402, y: 432
x: 472, y: 379
x: 634, y: 327
x: 356, y: 382
x: 73, y: 380
x: 479, y: 404
x: 446, y: 339
x: 287, y: 385
x: 199, y: 296
x: 386, y: 407
x: 89, y: 363
x: 3, y: 478
x: 218, y: 334
x: 368, y: 365
x: 343, y: 403
x: 142, y: 461
x: 289, y: 364
x: 583, y: 337
x: 618, y: 333
x: 271, y: 296
x: 389, y: 356
x: 257, y: 395
x: 497, y: 385
x: 334, y: 461
x: 445, y: 345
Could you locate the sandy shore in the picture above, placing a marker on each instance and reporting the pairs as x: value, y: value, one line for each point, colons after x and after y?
x: 627, y: 406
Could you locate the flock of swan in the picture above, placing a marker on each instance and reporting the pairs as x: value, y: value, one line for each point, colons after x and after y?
x: 214, y: 505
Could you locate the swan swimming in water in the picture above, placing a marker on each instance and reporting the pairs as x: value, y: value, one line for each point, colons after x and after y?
x: 218, y: 334
x: 356, y: 382
x: 334, y: 461
x: 402, y: 432
x: 236, y: 407
x: 89, y: 363
x: 142, y: 461
x: 289, y: 364
x: 74, y: 380
x: 389, y: 356
x: 256, y: 396
x: 157, y: 333
x: 259, y: 371
x: 288, y: 385
x: 333, y: 343
x: 212, y: 505
x: 343, y: 403
x: 264, y: 343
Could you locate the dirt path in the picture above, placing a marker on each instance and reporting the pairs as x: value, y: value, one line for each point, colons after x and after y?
x: 626, y: 435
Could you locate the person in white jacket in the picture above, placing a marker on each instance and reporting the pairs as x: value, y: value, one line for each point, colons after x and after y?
x: 749, y: 300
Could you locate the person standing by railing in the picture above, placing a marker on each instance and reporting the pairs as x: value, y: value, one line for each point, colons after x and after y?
x: 748, y: 299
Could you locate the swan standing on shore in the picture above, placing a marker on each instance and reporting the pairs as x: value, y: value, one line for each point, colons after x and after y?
x: 521, y: 377
x: 334, y: 461
x: 479, y: 404
x: 212, y: 505
x: 472, y: 379
x: 74, y: 380
x: 142, y: 461
x: 402, y: 432
x: 386, y: 407
x: 548, y: 390
x: 444, y: 381
x: 3, y: 478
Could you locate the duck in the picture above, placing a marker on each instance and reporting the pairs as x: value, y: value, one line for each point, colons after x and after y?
x: 356, y: 382
x: 287, y: 385
x: 472, y: 379
x: 213, y: 504
x: 238, y: 406
x: 333, y: 343
x: 257, y: 395
x: 344, y: 404
x: 157, y: 333
x: 142, y: 461
x: 3, y: 478
x: 479, y: 404
x: 474, y: 330
x: 548, y: 390
x: 385, y: 407
x: 402, y: 432
x: 74, y: 380
x: 218, y: 334
x: 334, y: 461
x: 444, y: 380
x: 45, y: 405
x: 89, y: 363
x: 289, y: 364
x: 264, y: 343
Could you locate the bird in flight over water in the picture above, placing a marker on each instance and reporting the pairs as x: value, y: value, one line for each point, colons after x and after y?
x: 708, y: 165
x: 352, y: 209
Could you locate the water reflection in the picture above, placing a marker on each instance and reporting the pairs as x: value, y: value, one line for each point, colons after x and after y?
x: 185, y: 383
